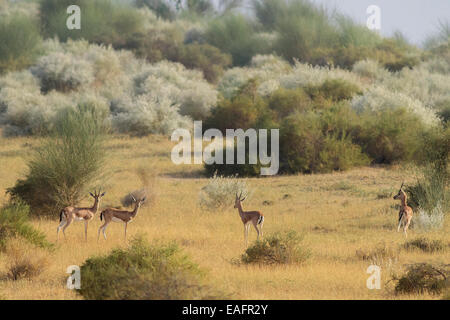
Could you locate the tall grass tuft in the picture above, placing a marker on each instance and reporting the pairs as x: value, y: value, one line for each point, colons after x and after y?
x: 69, y: 164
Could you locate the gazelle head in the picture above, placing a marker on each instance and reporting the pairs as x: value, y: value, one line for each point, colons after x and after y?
x: 238, y: 200
x: 140, y: 202
x: 97, y: 195
x: 401, y: 194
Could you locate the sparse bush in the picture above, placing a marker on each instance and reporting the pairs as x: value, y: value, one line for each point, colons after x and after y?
x: 145, y: 271
x: 423, y: 277
x: 220, y: 192
x: 382, y: 255
x: 14, y: 223
x: 160, y: 7
x: 429, y: 220
x: 24, y: 261
x: 67, y: 166
x: 19, y: 42
x: 277, y: 248
x: 426, y: 245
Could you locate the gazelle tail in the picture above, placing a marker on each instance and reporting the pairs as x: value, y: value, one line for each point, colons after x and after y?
x: 261, y: 219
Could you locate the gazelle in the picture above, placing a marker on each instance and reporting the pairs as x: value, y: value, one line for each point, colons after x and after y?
x: 405, y: 214
x: 116, y: 215
x: 254, y: 217
x: 70, y: 214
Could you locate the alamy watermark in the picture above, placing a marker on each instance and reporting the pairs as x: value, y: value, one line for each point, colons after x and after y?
x: 74, y: 280
x: 214, y: 152
x: 374, y: 281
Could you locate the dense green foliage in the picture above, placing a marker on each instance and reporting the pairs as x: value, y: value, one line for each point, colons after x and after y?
x: 19, y: 42
x: 144, y: 271
x: 14, y: 223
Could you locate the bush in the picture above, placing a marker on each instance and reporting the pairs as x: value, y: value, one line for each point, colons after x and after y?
x: 308, y: 145
x: 144, y: 272
x: 429, y: 220
x: 62, y: 72
x: 426, y: 245
x: 67, y: 165
x: 14, y: 223
x: 220, y: 192
x: 381, y: 255
x: 160, y: 7
x: 278, y: 248
x: 24, y: 261
x: 286, y: 102
x: 390, y: 135
x: 205, y: 57
x: 334, y: 90
x: 19, y: 43
x: 235, y: 35
x: 102, y: 21
x: 423, y: 277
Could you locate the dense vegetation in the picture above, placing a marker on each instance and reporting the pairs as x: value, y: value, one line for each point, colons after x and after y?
x: 341, y: 95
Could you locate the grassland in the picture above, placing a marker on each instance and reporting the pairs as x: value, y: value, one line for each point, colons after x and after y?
x: 338, y: 214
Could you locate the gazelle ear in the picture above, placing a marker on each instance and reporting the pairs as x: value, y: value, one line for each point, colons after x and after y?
x: 102, y: 194
x: 143, y: 199
x: 134, y: 199
x: 91, y: 195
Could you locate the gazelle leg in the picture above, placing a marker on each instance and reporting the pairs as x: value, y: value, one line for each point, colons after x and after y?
x: 260, y: 229
x: 65, y: 227
x: 255, y: 224
x: 246, y: 234
x: 405, y: 228
x: 99, y: 229
x: 126, y: 224
x: 63, y: 222
x: 85, y: 229
x: 400, y: 219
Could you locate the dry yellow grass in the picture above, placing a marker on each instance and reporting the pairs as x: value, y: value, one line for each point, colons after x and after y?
x: 338, y: 213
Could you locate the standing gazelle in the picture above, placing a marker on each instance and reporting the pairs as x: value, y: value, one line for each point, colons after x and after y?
x: 116, y: 215
x: 405, y: 214
x: 70, y: 214
x: 247, y: 217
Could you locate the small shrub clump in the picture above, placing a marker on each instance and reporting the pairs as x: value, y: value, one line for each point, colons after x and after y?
x: 278, y: 248
x: 381, y: 254
x: 426, y: 245
x: 14, y: 223
x: 24, y: 261
x: 144, y: 271
x: 220, y: 191
x: 423, y: 277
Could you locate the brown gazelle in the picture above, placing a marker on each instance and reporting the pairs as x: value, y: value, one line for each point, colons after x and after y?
x: 405, y: 214
x: 254, y: 217
x: 70, y: 214
x: 116, y: 215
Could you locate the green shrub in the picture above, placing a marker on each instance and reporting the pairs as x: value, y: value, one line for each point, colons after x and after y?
x: 144, y: 271
x: 288, y: 101
x: 64, y: 168
x: 19, y: 43
x: 235, y: 35
x: 278, y: 248
x: 388, y: 136
x: 425, y: 245
x: 205, y: 57
x: 14, y: 223
x: 102, y: 21
x: 423, y: 277
x: 312, y: 143
x: 333, y: 89
x: 160, y: 7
